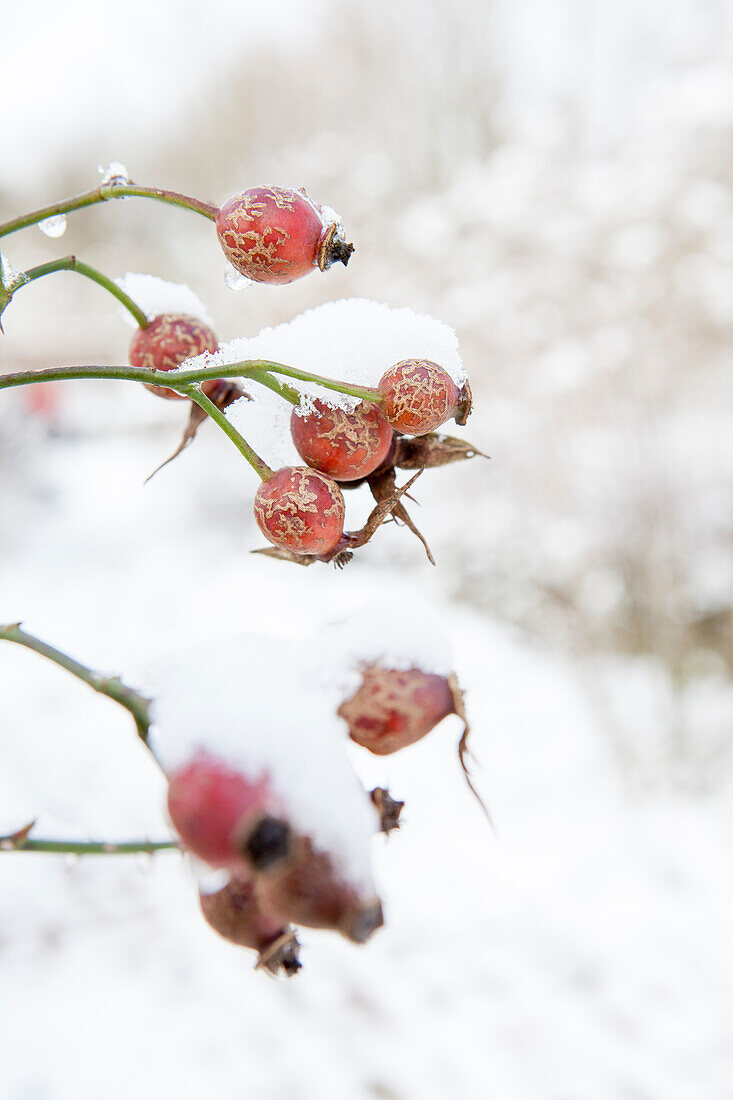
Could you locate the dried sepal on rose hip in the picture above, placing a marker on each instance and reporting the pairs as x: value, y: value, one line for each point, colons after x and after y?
x: 298, y: 883
x: 301, y: 511
x: 388, y: 808
x: 419, y: 395
x: 382, y: 486
x: 223, y: 392
x: 211, y: 804
x: 277, y: 234
x: 237, y: 915
x: 345, y: 444
x: 429, y: 451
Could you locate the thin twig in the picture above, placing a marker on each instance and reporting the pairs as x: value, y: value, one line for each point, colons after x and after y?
x: 111, y: 686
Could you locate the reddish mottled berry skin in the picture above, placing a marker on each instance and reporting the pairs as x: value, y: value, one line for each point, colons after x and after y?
x: 419, y: 396
x: 396, y: 707
x: 345, y: 445
x: 236, y: 914
x: 210, y: 804
x: 301, y: 510
x: 271, y: 234
x: 164, y: 344
x: 308, y: 890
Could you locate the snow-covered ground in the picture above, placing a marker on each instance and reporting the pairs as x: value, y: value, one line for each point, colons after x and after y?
x: 582, y: 952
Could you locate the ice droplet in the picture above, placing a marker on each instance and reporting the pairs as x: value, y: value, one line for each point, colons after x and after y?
x: 54, y: 226
x: 234, y: 279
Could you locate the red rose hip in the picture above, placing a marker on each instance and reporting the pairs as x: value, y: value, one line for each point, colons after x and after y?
x: 210, y: 805
x: 164, y: 344
x: 345, y: 445
x: 276, y: 235
x: 396, y: 707
x: 301, y: 510
x: 420, y: 395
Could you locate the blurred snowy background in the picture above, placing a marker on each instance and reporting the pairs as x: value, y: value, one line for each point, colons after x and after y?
x: 554, y: 181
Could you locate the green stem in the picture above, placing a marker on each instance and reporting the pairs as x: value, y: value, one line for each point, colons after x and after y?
x: 70, y: 263
x: 18, y: 843
x: 179, y: 380
x: 111, y: 686
x: 289, y: 393
x: 260, y: 467
x: 102, y: 194
x: 366, y: 393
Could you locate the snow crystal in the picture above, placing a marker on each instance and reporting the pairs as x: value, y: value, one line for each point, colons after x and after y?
x: 155, y: 296
x: 353, y: 340
x: 330, y: 217
x: 54, y: 226
x: 208, y: 879
x: 114, y: 173
x: 9, y: 275
x: 264, y: 422
x: 375, y: 635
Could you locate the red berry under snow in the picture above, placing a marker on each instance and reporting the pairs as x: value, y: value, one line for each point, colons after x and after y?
x: 396, y: 707
x: 419, y: 396
x: 277, y: 235
x: 211, y: 804
x: 345, y: 445
x: 301, y: 510
x: 164, y: 344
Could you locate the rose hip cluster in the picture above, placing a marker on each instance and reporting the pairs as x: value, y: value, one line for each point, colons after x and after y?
x: 277, y: 875
x: 275, y: 235
x: 301, y: 509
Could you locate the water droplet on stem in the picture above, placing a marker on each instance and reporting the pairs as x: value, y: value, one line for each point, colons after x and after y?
x: 54, y: 226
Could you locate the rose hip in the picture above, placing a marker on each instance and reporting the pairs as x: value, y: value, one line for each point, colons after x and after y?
x: 301, y: 510
x: 210, y: 805
x: 276, y: 235
x: 164, y: 344
x: 236, y: 914
x: 305, y: 888
x: 393, y: 708
x: 345, y: 445
x: 420, y: 395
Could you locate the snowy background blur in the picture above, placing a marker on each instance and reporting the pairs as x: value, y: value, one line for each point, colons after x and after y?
x: 553, y: 181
